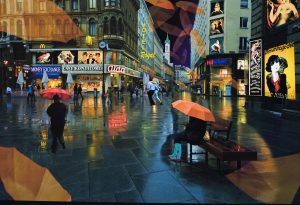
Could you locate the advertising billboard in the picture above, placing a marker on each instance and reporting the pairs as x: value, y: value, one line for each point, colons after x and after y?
x: 217, y: 8
x: 65, y: 57
x: 216, y: 26
x: 279, y: 13
x: 89, y: 57
x: 280, y: 72
x: 255, y: 68
x: 216, y: 45
x: 44, y: 58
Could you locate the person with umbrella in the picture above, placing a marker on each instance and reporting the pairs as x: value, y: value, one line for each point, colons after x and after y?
x: 195, y: 128
x: 57, y: 112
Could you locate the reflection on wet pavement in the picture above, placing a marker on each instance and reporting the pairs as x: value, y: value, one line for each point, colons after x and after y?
x: 115, y: 149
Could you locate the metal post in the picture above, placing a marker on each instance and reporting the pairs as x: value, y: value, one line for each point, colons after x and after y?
x: 103, y: 80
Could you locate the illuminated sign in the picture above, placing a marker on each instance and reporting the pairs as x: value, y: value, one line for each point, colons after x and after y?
x: 280, y: 82
x: 81, y: 69
x: 115, y: 69
x: 42, y: 45
x: 219, y: 62
x: 255, y: 68
x: 144, y: 54
x: 37, y: 71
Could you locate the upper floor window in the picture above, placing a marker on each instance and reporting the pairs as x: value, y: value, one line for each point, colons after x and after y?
x: 67, y: 27
x: 107, y: 2
x: 244, y: 4
x: 92, y: 4
x: 19, y: 28
x: 92, y: 27
x: 42, y: 5
x: 113, y: 3
x: 113, y: 25
x: 243, y: 43
x: 120, y: 25
x: 105, y: 24
x: 3, y: 7
x: 19, y: 5
x: 59, y: 3
x: 76, y: 22
x: 75, y: 4
x: 244, y: 22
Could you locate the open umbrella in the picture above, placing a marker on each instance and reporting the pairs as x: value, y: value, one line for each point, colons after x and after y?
x: 69, y: 80
x: 45, y: 79
x: 194, y: 110
x: 25, y: 180
x: 62, y: 94
x: 20, y: 80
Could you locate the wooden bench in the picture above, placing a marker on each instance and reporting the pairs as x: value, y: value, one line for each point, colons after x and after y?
x: 221, y: 147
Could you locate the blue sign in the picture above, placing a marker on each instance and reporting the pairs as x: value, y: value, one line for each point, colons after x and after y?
x: 52, y: 71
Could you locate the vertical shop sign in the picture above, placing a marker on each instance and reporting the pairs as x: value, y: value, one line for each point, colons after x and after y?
x: 255, y: 68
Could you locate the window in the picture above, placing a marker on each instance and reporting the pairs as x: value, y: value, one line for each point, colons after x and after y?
x: 43, y: 5
x: 107, y: 3
x: 244, y: 4
x: 76, y: 22
x: 75, y: 4
x: 113, y: 3
x: 42, y: 28
x: 113, y: 25
x: 3, y: 7
x: 19, y: 5
x: 244, y: 22
x: 59, y: 3
x: 67, y: 27
x: 92, y: 27
x: 120, y: 25
x: 19, y: 28
x: 92, y: 4
x: 243, y: 43
x: 105, y: 23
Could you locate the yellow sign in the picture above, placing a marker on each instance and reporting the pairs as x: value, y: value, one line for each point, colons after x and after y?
x: 144, y: 54
x: 280, y: 72
x: 88, y: 40
x: 42, y: 45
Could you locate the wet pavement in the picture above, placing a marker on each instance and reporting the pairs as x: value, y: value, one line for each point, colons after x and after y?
x: 117, y: 152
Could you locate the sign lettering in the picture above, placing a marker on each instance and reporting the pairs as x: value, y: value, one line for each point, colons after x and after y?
x: 255, y: 68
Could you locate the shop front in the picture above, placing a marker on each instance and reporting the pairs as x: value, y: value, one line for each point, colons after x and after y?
x: 34, y: 74
x: 91, y: 76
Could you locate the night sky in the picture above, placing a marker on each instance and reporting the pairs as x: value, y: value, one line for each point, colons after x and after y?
x: 175, y: 18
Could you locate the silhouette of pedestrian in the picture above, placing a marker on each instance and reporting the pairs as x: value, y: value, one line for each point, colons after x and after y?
x: 57, y: 112
x: 80, y: 91
x: 75, y: 91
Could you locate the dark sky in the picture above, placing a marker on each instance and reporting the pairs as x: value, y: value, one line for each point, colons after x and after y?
x: 173, y: 17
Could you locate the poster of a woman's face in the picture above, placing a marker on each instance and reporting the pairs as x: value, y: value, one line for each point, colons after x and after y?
x: 216, y: 45
x: 280, y: 72
x: 281, y: 12
x: 217, y: 8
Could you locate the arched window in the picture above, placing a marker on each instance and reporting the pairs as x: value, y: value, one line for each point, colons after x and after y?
x: 75, y: 5
x: 67, y: 27
x: 59, y: 27
x: 121, y: 28
x: 19, y: 28
x: 105, y: 24
x: 76, y: 22
x: 113, y: 3
x: 59, y: 3
x: 92, y: 27
x: 42, y: 28
x: 113, y: 25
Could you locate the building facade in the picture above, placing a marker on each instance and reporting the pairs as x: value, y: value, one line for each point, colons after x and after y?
x: 226, y: 57
x: 112, y: 21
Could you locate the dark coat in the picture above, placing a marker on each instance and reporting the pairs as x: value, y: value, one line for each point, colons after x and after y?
x: 195, y: 130
x: 57, y: 112
x: 282, y: 92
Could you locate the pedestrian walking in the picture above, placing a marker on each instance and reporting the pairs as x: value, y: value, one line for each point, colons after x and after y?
x: 75, y: 89
x: 155, y: 94
x: 150, y: 91
x: 38, y: 87
x: 57, y: 112
x: 8, y: 91
x: 30, y: 93
x: 80, y: 91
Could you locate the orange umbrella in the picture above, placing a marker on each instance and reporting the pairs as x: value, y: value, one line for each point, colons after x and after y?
x: 39, y: 21
x: 62, y: 94
x: 194, y: 110
x: 25, y: 180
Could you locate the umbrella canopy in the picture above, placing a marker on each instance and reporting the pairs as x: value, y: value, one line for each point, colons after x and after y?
x: 194, y: 110
x: 20, y: 79
x: 45, y: 79
x: 25, y: 180
x: 62, y: 94
x: 47, y: 24
x: 69, y: 78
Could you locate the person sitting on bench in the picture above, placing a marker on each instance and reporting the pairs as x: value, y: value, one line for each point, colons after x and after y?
x: 193, y: 133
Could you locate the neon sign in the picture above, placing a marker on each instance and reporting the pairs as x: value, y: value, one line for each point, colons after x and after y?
x: 144, y: 54
x: 115, y: 69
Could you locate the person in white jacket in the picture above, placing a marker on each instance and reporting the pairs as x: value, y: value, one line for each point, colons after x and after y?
x: 155, y: 95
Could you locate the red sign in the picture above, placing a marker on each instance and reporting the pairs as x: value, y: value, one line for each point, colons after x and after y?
x: 115, y: 69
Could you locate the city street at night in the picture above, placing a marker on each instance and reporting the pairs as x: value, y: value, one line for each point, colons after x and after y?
x: 107, y: 162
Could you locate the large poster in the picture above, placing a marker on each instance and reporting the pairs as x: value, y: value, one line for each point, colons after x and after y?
x: 280, y: 72
x: 216, y: 45
x: 281, y: 12
x: 216, y: 26
x: 217, y: 8
x: 255, y: 68
x: 44, y: 58
x: 89, y: 57
x: 65, y: 57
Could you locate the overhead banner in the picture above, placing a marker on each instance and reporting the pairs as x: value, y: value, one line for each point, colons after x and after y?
x: 280, y: 80
x: 255, y: 68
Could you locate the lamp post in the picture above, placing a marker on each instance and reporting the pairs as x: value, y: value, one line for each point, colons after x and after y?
x: 103, y: 46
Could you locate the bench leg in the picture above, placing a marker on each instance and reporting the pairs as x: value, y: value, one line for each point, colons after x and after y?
x: 191, y: 153
x: 238, y: 164
x: 206, y: 157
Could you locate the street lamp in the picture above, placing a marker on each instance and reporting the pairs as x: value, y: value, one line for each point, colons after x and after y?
x: 102, y: 46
